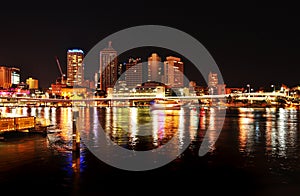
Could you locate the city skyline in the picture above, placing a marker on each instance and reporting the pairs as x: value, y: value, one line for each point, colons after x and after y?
x: 253, y: 44
x: 162, y: 65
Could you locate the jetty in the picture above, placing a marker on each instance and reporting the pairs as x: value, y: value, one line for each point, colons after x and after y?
x: 18, y: 123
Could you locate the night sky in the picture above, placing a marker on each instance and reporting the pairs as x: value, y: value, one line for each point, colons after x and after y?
x: 251, y: 43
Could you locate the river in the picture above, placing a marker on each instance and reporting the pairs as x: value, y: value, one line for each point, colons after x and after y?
x: 256, y: 152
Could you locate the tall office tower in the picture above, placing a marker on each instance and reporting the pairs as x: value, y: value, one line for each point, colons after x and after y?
x: 173, y: 72
x: 9, y: 76
x: 213, y: 83
x: 134, y: 72
x: 5, y: 77
x: 108, y: 67
x: 75, y: 67
x: 155, y: 68
x: 213, y: 79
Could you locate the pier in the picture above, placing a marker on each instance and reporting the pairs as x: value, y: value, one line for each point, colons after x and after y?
x: 14, y: 124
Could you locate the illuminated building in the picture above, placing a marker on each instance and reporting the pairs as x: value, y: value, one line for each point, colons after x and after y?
x: 15, y: 76
x: 155, y: 69
x: 32, y: 83
x: 75, y: 67
x: 56, y: 89
x: 221, y: 89
x: 173, y: 72
x: 108, y: 67
x: 150, y: 89
x: 213, y: 85
x: 5, y: 77
x: 73, y: 92
x: 213, y: 79
x: 9, y: 76
x: 133, y: 74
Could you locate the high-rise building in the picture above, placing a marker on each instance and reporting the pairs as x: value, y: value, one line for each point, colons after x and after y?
x: 173, y: 72
x: 134, y: 72
x: 155, y: 68
x: 213, y: 79
x: 212, y: 83
x: 9, y: 76
x: 214, y: 87
x: 5, y: 77
x: 75, y: 67
x: 108, y: 67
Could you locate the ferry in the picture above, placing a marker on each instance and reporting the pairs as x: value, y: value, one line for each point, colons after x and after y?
x: 165, y: 104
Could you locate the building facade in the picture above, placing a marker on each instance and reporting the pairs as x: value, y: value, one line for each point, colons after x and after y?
x: 173, y: 72
x: 75, y: 67
x: 214, y: 87
x: 9, y: 76
x: 213, y: 79
x: 15, y: 76
x: 155, y: 68
x: 32, y: 83
x: 108, y: 72
x: 134, y: 72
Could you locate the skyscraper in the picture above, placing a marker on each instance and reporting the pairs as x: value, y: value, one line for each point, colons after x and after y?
x: 212, y: 83
x: 108, y: 67
x: 213, y: 79
x: 155, y: 68
x: 173, y: 72
x: 134, y: 72
x: 75, y: 67
x: 9, y: 76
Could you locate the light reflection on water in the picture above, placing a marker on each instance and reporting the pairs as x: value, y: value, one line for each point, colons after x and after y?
x: 265, y: 138
x: 274, y: 130
x: 136, y: 128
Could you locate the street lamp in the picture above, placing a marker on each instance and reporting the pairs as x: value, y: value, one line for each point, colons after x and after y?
x: 248, y: 85
x: 273, y: 86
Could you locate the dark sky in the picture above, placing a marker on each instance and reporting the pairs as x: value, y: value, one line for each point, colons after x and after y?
x: 251, y: 43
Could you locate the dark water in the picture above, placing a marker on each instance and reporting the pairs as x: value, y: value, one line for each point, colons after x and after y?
x: 256, y: 153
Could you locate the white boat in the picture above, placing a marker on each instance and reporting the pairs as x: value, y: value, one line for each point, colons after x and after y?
x: 165, y: 104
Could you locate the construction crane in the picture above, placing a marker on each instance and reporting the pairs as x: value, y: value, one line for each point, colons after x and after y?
x: 61, y: 72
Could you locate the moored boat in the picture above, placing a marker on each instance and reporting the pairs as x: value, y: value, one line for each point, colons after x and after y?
x: 165, y: 104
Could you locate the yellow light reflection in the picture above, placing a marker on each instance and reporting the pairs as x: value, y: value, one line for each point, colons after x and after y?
x: 24, y: 111
x: 53, y: 116
x: 270, y: 129
x: 281, y: 131
x: 155, y: 126
x: 33, y: 111
x: 246, y: 132
x: 202, y: 119
x: 96, y: 123
x: 133, y: 117
x: 180, y: 127
x: 66, y: 123
x: 194, y: 121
